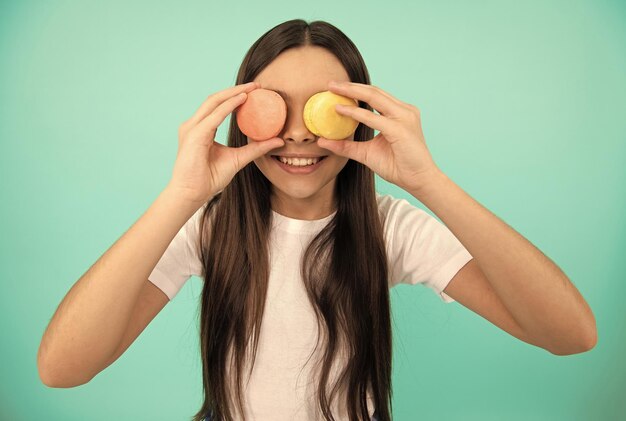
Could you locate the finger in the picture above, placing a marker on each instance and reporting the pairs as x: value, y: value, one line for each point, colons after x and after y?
x: 388, y: 95
x: 375, y: 121
x: 346, y: 148
x: 210, y: 123
x: 253, y: 150
x: 371, y: 95
x: 214, y: 100
x: 391, y: 97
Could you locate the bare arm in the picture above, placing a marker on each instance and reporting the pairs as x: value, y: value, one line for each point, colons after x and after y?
x: 108, y: 306
x: 91, y: 321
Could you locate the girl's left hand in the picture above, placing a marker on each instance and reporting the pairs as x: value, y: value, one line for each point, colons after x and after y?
x: 398, y: 153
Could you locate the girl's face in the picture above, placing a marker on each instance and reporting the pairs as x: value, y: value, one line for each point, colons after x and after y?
x: 297, y: 74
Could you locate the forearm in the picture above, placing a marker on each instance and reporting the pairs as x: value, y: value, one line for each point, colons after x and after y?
x: 535, y: 291
x: 92, y: 318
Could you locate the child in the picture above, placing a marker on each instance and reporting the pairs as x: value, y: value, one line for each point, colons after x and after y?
x: 248, y: 240
x: 298, y: 255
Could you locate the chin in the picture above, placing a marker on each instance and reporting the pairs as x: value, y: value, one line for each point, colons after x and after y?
x: 297, y: 192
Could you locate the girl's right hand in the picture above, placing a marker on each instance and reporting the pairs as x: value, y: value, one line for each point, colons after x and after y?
x: 204, y: 167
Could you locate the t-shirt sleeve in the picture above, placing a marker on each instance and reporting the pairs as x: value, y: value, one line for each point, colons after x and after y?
x: 421, y: 249
x: 180, y: 260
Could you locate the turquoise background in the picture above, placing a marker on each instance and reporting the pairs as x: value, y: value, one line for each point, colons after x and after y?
x: 523, y: 106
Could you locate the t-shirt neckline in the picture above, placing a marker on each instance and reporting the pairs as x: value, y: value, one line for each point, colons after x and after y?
x: 299, y: 225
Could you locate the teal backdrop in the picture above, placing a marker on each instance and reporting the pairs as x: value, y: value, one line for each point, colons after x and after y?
x: 523, y: 106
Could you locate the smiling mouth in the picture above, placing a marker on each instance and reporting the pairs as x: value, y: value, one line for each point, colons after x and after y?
x: 299, y: 162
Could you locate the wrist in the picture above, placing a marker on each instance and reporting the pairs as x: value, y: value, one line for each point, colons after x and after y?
x: 430, y: 181
x: 182, y: 196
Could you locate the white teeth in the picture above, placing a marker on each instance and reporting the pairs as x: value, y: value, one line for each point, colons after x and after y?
x: 298, y: 162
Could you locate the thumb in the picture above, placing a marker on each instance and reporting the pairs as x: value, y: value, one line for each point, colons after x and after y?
x: 346, y: 148
x: 255, y: 149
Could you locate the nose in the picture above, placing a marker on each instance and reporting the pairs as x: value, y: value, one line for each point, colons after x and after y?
x: 295, y: 131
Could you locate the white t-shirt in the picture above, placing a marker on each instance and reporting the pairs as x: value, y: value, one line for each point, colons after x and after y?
x: 420, y: 249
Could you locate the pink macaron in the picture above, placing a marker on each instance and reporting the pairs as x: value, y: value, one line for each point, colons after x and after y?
x: 263, y: 115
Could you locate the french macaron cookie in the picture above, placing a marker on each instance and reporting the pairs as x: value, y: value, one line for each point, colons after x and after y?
x: 263, y: 114
x: 321, y: 118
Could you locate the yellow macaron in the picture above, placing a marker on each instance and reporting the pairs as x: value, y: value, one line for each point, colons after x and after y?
x: 321, y: 118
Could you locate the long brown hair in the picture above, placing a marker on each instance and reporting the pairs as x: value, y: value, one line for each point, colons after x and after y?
x: 344, y: 268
